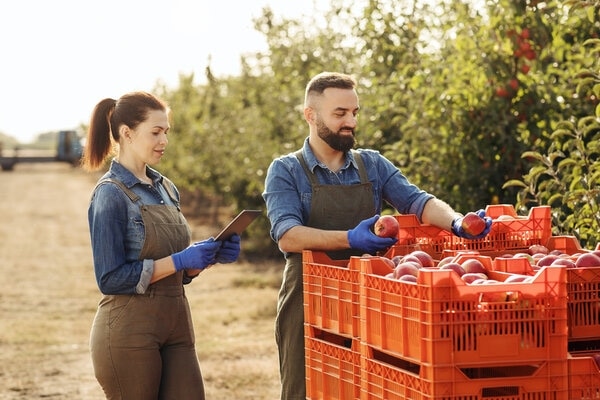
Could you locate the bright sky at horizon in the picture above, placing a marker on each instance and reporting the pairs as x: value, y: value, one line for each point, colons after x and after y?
x: 59, y: 58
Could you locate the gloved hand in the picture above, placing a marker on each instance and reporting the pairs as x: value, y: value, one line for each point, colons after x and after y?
x: 458, y: 228
x: 362, y: 237
x: 198, y: 255
x: 230, y: 250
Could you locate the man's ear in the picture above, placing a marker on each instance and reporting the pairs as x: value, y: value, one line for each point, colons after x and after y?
x: 309, y: 115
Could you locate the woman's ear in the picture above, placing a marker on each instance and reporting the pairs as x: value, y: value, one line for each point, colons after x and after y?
x: 124, y: 132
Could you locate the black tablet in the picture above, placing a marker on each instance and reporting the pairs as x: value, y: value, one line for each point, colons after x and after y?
x: 238, y: 224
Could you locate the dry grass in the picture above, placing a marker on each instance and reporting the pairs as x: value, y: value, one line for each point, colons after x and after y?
x: 48, y: 297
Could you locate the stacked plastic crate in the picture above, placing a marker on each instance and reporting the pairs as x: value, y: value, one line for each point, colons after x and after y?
x: 444, y: 339
x: 331, y: 327
x: 369, y: 337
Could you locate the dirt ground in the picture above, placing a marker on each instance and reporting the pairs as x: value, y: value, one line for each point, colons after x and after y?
x: 48, y: 298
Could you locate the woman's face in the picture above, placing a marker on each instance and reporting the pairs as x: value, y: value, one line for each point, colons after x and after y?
x: 149, y: 139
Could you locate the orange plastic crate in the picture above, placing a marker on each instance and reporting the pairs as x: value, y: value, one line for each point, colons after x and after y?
x: 332, y: 366
x: 583, y: 287
x: 443, y: 321
x: 507, y: 235
x: 584, y: 377
x: 385, y: 377
x: 331, y: 293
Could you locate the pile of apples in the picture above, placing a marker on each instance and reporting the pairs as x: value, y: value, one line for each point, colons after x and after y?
x: 540, y: 256
x: 471, y: 270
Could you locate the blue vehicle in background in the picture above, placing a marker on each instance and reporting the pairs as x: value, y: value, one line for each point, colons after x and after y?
x: 69, y: 148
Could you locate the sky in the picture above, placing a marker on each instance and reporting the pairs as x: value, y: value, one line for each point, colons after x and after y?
x: 59, y: 58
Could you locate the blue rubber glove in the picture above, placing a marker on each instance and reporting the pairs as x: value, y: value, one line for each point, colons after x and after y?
x: 458, y: 230
x: 230, y: 250
x: 198, y: 255
x: 362, y: 237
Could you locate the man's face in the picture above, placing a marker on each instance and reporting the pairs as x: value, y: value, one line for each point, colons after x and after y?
x: 336, y: 118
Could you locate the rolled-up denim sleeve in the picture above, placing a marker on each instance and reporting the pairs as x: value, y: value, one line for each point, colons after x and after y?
x: 399, y: 192
x: 282, y: 198
x: 108, y: 222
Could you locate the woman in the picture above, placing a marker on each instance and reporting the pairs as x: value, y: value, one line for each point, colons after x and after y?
x: 142, y: 338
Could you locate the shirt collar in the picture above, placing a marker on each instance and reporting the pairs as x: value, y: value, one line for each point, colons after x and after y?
x: 121, y: 173
x: 312, y: 162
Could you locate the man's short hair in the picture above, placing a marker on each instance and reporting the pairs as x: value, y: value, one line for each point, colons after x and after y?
x: 325, y: 80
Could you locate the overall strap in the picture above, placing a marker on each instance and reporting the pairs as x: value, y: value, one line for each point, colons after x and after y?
x: 362, y: 171
x: 170, y: 188
x: 132, y: 196
x: 311, y: 176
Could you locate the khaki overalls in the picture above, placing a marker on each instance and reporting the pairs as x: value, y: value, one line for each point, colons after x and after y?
x: 333, y: 207
x: 143, y: 344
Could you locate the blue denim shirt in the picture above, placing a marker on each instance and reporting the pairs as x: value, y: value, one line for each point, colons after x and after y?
x: 117, y: 232
x: 288, y: 192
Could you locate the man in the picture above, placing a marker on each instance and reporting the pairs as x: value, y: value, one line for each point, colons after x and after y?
x: 326, y: 197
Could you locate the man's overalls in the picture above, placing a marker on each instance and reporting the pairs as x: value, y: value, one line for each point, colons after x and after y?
x: 333, y: 207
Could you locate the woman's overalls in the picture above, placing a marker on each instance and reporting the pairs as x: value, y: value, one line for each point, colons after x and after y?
x: 143, y: 344
x: 333, y: 207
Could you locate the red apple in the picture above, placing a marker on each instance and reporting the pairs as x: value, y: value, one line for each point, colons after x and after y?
x: 386, y: 226
x: 473, y: 265
x: 425, y: 258
x: 470, y: 277
x: 537, y: 249
x: 526, y: 256
x: 546, y: 260
x: 445, y: 260
x: 454, y: 266
x: 405, y: 268
x: 587, y: 260
x: 408, y: 278
x: 473, y: 224
x: 538, y: 256
x: 397, y: 259
x: 388, y: 262
x: 564, y: 261
x: 412, y: 258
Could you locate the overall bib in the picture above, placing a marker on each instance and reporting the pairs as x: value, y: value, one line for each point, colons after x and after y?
x: 143, y: 344
x: 333, y: 207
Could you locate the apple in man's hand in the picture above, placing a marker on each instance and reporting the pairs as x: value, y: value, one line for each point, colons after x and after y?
x: 473, y: 224
x: 386, y: 226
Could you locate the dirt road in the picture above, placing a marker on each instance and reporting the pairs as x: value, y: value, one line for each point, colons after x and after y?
x: 48, y: 298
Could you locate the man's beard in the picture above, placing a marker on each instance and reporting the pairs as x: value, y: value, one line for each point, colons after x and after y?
x: 334, y: 139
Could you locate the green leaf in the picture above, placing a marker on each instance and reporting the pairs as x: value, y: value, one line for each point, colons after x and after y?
x: 514, y: 183
x: 535, y: 155
x: 555, y: 198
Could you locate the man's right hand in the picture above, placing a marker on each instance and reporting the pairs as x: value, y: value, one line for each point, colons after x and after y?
x: 362, y: 237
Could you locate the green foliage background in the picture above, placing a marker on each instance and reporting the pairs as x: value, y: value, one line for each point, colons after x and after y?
x: 479, y: 105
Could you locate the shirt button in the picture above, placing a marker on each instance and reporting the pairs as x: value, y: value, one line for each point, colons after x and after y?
x: 162, y: 202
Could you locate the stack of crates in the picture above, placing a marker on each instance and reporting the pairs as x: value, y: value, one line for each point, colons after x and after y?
x: 331, y: 326
x: 370, y: 337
